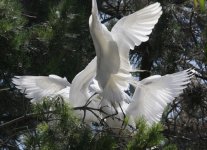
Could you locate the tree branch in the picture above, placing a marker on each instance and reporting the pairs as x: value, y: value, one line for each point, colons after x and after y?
x: 26, y: 116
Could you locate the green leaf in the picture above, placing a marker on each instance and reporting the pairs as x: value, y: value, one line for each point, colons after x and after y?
x: 195, y: 3
x: 202, y: 5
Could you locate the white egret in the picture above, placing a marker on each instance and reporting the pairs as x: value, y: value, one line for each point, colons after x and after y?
x: 112, y: 48
x: 77, y: 93
x: 108, y: 74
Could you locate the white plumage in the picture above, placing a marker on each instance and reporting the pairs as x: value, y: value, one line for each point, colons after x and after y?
x: 112, y: 48
x: 134, y: 29
x: 108, y: 74
x: 81, y: 93
x: 37, y: 87
x: 152, y: 95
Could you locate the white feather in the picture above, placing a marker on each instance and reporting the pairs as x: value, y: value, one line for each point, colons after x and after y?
x: 131, y: 30
x: 37, y: 87
x: 153, y: 94
x: 112, y: 48
x: 80, y: 93
x: 108, y: 74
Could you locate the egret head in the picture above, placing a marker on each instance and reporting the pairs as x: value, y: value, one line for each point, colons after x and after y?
x: 94, y: 10
x: 94, y: 13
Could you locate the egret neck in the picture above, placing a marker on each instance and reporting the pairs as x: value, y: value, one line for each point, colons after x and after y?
x: 108, y: 60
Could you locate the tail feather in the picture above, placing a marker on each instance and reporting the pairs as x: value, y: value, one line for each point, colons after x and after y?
x: 114, y: 91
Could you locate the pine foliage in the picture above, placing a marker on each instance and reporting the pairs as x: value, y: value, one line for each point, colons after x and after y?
x: 40, y: 37
x: 58, y: 128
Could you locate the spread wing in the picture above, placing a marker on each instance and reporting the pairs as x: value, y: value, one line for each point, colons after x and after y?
x: 154, y: 93
x: 80, y: 84
x: 131, y: 30
x: 81, y: 91
x: 37, y: 87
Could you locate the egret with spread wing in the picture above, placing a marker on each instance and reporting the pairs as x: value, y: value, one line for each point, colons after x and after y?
x: 108, y: 74
x: 112, y: 49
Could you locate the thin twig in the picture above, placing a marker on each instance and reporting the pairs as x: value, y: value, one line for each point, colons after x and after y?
x: 26, y: 116
x: 5, y: 89
x: 29, y: 16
